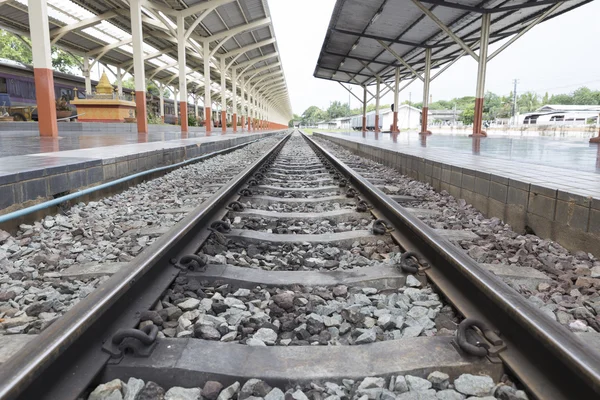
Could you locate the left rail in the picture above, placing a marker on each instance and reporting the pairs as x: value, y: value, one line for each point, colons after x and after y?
x: 66, y: 357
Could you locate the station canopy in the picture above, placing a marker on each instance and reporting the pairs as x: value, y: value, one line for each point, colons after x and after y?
x: 353, y: 52
x: 101, y: 29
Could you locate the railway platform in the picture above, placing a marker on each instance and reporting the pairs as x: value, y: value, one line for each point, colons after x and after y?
x: 34, y: 168
x: 554, y: 193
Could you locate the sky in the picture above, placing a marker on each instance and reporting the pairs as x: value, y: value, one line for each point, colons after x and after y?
x: 557, y: 56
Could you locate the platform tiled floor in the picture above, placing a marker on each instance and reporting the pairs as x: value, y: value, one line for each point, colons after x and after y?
x: 21, y: 143
x: 76, y: 149
x: 565, y: 164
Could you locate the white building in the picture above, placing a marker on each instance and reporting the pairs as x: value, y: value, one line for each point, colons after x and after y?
x: 409, y: 117
x: 560, y: 114
x: 337, y: 123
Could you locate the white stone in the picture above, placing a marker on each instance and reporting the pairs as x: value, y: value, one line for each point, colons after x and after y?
x: 266, y: 335
x: 255, y: 342
x: 229, y: 391
x: 474, y: 385
x: 189, y: 304
x: 179, y: 393
x: 371, y: 382
x: 412, y: 281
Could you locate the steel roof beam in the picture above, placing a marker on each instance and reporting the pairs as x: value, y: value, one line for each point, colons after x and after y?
x: 522, y: 5
x: 57, y: 33
x: 259, y: 70
x: 375, y: 37
x: 539, y: 19
x: 199, y: 7
x: 263, y: 77
x: 483, y: 10
x: 343, y: 71
x: 159, y: 7
x: 455, y: 6
x: 238, y: 29
x: 253, y: 61
x: 444, y: 28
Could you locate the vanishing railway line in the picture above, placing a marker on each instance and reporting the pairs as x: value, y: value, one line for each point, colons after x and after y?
x: 302, y: 275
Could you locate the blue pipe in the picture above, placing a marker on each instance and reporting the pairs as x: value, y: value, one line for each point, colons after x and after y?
x: 54, y: 202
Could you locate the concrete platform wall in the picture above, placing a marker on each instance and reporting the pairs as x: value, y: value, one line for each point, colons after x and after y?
x: 34, y: 186
x: 568, y: 218
x: 96, y: 127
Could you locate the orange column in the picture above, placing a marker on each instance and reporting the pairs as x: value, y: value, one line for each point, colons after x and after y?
x: 223, y: 121
x: 140, y: 112
x: 424, y: 115
x: 43, y: 73
x: 184, y: 116
x: 234, y: 122
x: 249, y: 124
x: 243, y: 121
x: 377, y: 123
x: 478, y: 117
x: 44, y: 94
x: 207, y: 120
x: 395, y: 122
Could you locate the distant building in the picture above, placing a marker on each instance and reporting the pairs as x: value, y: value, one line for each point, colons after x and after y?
x: 409, y: 117
x: 562, y: 114
x: 444, y: 117
x: 337, y: 123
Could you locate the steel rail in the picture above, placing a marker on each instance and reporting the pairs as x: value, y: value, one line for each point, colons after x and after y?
x: 552, y: 362
x: 67, y: 356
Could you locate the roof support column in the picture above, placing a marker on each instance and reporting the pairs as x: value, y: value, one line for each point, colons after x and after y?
x: 181, y: 59
x: 364, y: 115
x: 139, y: 74
x: 243, y: 110
x: 396, y: 99
x: 42, y: 68
x: 234, y: 99
x: 196, y: 107
x: 207, y: 101
x: 249, y: 110
x: 480, y: 93
x: 260, y: 113
x: 426, y: 83
x: 377, y: 95
x: 86, y: 74
x: 161, y: 103
x: 119, y: 81
x: 175, y: 94
x: 223, y: 97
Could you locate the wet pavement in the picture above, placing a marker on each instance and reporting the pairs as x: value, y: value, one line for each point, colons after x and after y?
x: 569, y: 151
x: 571, y: 165
x: 22, y: 143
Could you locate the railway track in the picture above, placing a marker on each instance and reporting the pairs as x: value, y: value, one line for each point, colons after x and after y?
x: 301, y: 278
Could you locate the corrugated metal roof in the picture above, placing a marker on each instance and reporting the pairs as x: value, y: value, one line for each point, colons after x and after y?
x: 357, y: 26
x: 157, y: 34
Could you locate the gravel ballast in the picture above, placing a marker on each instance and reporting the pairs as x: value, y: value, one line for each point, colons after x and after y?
x: 434, y: 386
x: 32, y: 293
x: 571, y: 297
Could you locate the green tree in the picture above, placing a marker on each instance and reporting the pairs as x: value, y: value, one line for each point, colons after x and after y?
x: 468, y: 115
x: 546, y: 99
x: 312, y: 115
x: 586, y: 96
x: 66, y: 62
x: 561, y: 99
x: 337, y: 109
x: 18, y: 48
x: 14, y: 48
x: 528, y: 102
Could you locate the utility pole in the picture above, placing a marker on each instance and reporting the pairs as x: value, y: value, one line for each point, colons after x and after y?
x: 514, y: 108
